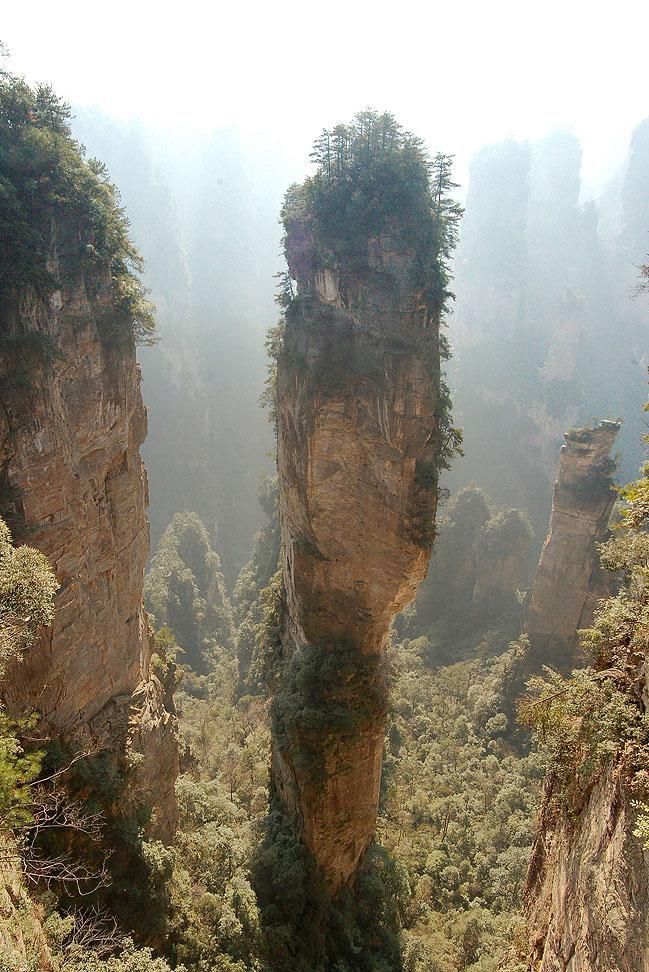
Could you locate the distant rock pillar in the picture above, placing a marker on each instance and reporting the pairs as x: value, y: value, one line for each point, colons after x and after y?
x: 569, y: 580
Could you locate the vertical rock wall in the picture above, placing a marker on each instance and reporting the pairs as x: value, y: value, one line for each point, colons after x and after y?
x: 73, y: 485
x: 357, y: 400
x: 587, y: 893
x: 587, y: 888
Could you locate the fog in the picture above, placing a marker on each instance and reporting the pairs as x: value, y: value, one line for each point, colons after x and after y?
x: 460, y: 75
x: 204, y: 117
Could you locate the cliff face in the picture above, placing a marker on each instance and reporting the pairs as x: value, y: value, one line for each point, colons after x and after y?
x: 587, y: 894
x: 73, y: 485
x: 357, y: 399
x: 587, y: 889
x: 569, y: 581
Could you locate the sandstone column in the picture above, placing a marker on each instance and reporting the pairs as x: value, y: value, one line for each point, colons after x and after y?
x: 358, y: 405
x: 569, y: 580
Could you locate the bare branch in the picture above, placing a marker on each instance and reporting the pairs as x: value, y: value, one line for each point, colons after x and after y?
x: 93, y: 930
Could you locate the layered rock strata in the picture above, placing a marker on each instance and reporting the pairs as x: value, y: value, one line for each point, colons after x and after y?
x: 357, y: 417
x: 569, y: 580
x: 73, y: 485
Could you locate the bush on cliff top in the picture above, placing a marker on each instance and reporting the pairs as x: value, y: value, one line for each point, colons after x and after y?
x: 371, y: 178
x: 48, y: 188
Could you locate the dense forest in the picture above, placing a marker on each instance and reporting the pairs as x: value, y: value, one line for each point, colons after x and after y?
x: 169, y: 828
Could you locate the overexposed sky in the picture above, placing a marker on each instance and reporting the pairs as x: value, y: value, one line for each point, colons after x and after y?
x: 460, y: 74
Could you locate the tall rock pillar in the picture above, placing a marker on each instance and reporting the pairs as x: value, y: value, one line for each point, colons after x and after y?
x: 72, y: 484
x: 360, y: 430
x: 569, y: 580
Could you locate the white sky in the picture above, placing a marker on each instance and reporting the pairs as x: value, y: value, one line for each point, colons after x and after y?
x: 460, y: 74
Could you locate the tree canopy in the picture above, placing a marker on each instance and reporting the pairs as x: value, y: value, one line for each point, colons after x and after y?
x: 54, y: 199
x: 372, y: 177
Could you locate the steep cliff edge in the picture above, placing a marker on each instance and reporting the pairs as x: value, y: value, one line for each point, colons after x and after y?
x: 569, y: 580
x: 72, y: 421
x: 73, y: 485
x: 587, y: 889
x: 587, y: 892
x: 361, y: 427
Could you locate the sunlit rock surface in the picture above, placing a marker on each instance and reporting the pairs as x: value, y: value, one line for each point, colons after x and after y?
x: 357, y: 389
x: 587, y: 892
x: 569, y: 580
x: 73, y: 485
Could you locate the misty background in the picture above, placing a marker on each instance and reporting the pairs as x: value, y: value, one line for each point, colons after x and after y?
x: 204, y: 117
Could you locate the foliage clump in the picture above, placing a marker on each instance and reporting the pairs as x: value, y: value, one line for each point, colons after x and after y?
x: 327, y: 691
x: 184, y: 590
x: 27, y: 589
x: 55, y: 201
x: 374, y: 178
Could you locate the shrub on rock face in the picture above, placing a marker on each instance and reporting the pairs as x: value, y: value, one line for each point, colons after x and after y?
x: 27, y: 588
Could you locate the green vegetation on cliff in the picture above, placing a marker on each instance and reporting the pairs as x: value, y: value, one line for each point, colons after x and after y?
x: 372, y: 178
x: 60, y: 217
x: 27, y: 588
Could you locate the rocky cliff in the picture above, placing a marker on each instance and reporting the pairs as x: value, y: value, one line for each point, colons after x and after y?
x: 587, y: 888
x: 73, y: 485
x: 358, y: 419
x: 587, y: 892
x: 569, y: 581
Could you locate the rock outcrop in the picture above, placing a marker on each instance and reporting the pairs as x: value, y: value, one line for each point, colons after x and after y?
x: 569, y: 580
x: 358, y: 416
x: 73, y: 485
x: 587, y: 893
x: 587, y: 889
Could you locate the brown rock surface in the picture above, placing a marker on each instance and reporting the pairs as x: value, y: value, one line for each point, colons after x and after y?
x: 357, y: 393
x: 587, y: 887
x: 568, y: 580
x: 73, y: 485
x: 587, y: 894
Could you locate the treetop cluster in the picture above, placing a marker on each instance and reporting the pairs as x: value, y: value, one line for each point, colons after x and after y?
x: 373, y: 177
x: 48, y: 188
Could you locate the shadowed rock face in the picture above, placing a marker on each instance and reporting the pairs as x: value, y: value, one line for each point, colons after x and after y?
x: 73, y: 485
x: 357, y: 398
x: 587, y: 887
x: 587, y: 892
x: 569, y: 581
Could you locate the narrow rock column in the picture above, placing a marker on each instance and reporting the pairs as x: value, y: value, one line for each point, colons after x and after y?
x: 568, y: 580
x: 357, y: 412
